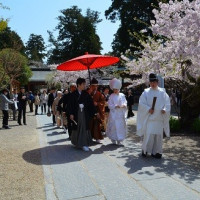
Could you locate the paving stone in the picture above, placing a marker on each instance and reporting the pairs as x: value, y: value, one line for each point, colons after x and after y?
x: 112, y: 181
x: 168, y: 189
x: 71, y: 182
x: 99, y: 197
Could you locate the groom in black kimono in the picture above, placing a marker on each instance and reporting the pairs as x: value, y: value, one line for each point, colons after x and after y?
x: 81, y: 110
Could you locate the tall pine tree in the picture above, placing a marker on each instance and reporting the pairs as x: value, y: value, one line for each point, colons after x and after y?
x: 35, y: 48
x: 76, y: 35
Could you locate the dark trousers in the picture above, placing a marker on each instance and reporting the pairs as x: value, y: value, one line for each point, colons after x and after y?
x: 22, y: 110
x: 69, y: 125
x: 14, y: 114
x: 36, y: 109
x: 54, y: 119
x: 5, y: 117
x: 31, y: 106
x: 130, y: 111
x: 43, y: 107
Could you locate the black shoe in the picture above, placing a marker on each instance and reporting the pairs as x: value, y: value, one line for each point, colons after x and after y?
x: 20, y: 124
x: 6, y: 127
x: 25, y: 123
x: 143, y: 154
x: 158, y: 156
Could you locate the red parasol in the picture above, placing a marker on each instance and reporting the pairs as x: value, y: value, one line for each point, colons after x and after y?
x: 87, y: 62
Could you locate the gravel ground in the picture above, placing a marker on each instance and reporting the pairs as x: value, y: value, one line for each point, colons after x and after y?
x: 185, y: 149
x: 20, y: 180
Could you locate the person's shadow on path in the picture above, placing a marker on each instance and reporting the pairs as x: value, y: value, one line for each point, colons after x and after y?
x: 130, y: 156
x: 60, y: 154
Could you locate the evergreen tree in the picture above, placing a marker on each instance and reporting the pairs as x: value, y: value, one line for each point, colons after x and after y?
x: 13, y: 62
x: 10, y: 39
x: 134, y: 15
x: 35, y: 48
x: 76, y: 35
x: 13, y: 66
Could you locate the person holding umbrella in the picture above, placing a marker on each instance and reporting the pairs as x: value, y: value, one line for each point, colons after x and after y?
x: 97, y: 122
x: 81, y: 110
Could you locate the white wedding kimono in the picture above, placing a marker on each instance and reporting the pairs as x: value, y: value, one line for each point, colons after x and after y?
x: 116, y: 126
x: 152, y: 126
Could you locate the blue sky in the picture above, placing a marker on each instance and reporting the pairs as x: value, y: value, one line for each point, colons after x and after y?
x: 38, y: 16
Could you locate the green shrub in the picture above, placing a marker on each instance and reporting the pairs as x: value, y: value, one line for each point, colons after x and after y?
x: 196, y: 125
x: 175, y: 124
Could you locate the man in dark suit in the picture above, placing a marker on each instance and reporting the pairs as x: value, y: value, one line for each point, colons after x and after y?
x: 22, y: 101
x: 64, y: 101
x: 130, y: 102
x: 81, y: 111
x: 51, y: 97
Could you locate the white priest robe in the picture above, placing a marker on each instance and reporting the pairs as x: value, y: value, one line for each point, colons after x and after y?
x: 116, y: 126
x: 152, y: 126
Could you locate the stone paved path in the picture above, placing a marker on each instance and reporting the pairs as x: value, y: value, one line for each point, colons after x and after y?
x: 108, y: 171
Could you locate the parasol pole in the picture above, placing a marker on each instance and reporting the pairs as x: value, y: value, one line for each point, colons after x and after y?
x: 89, y: 74
x: 88, y: 66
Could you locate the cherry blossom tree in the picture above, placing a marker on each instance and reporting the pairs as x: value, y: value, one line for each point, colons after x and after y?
x: 174, y: 51
x: 63, y: 78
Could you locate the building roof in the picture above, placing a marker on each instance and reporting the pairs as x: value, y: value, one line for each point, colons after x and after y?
x: 41, y: 69
x: 39, y: 75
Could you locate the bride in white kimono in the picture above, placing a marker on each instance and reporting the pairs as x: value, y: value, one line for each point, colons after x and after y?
x: 152, y: 121
x: 116, y: 127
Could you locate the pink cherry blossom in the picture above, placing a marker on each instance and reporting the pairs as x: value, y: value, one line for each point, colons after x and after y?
x: 179, y: 52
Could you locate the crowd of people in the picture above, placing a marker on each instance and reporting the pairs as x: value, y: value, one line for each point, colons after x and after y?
x: 17, y: 102
x: 87, y: 114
